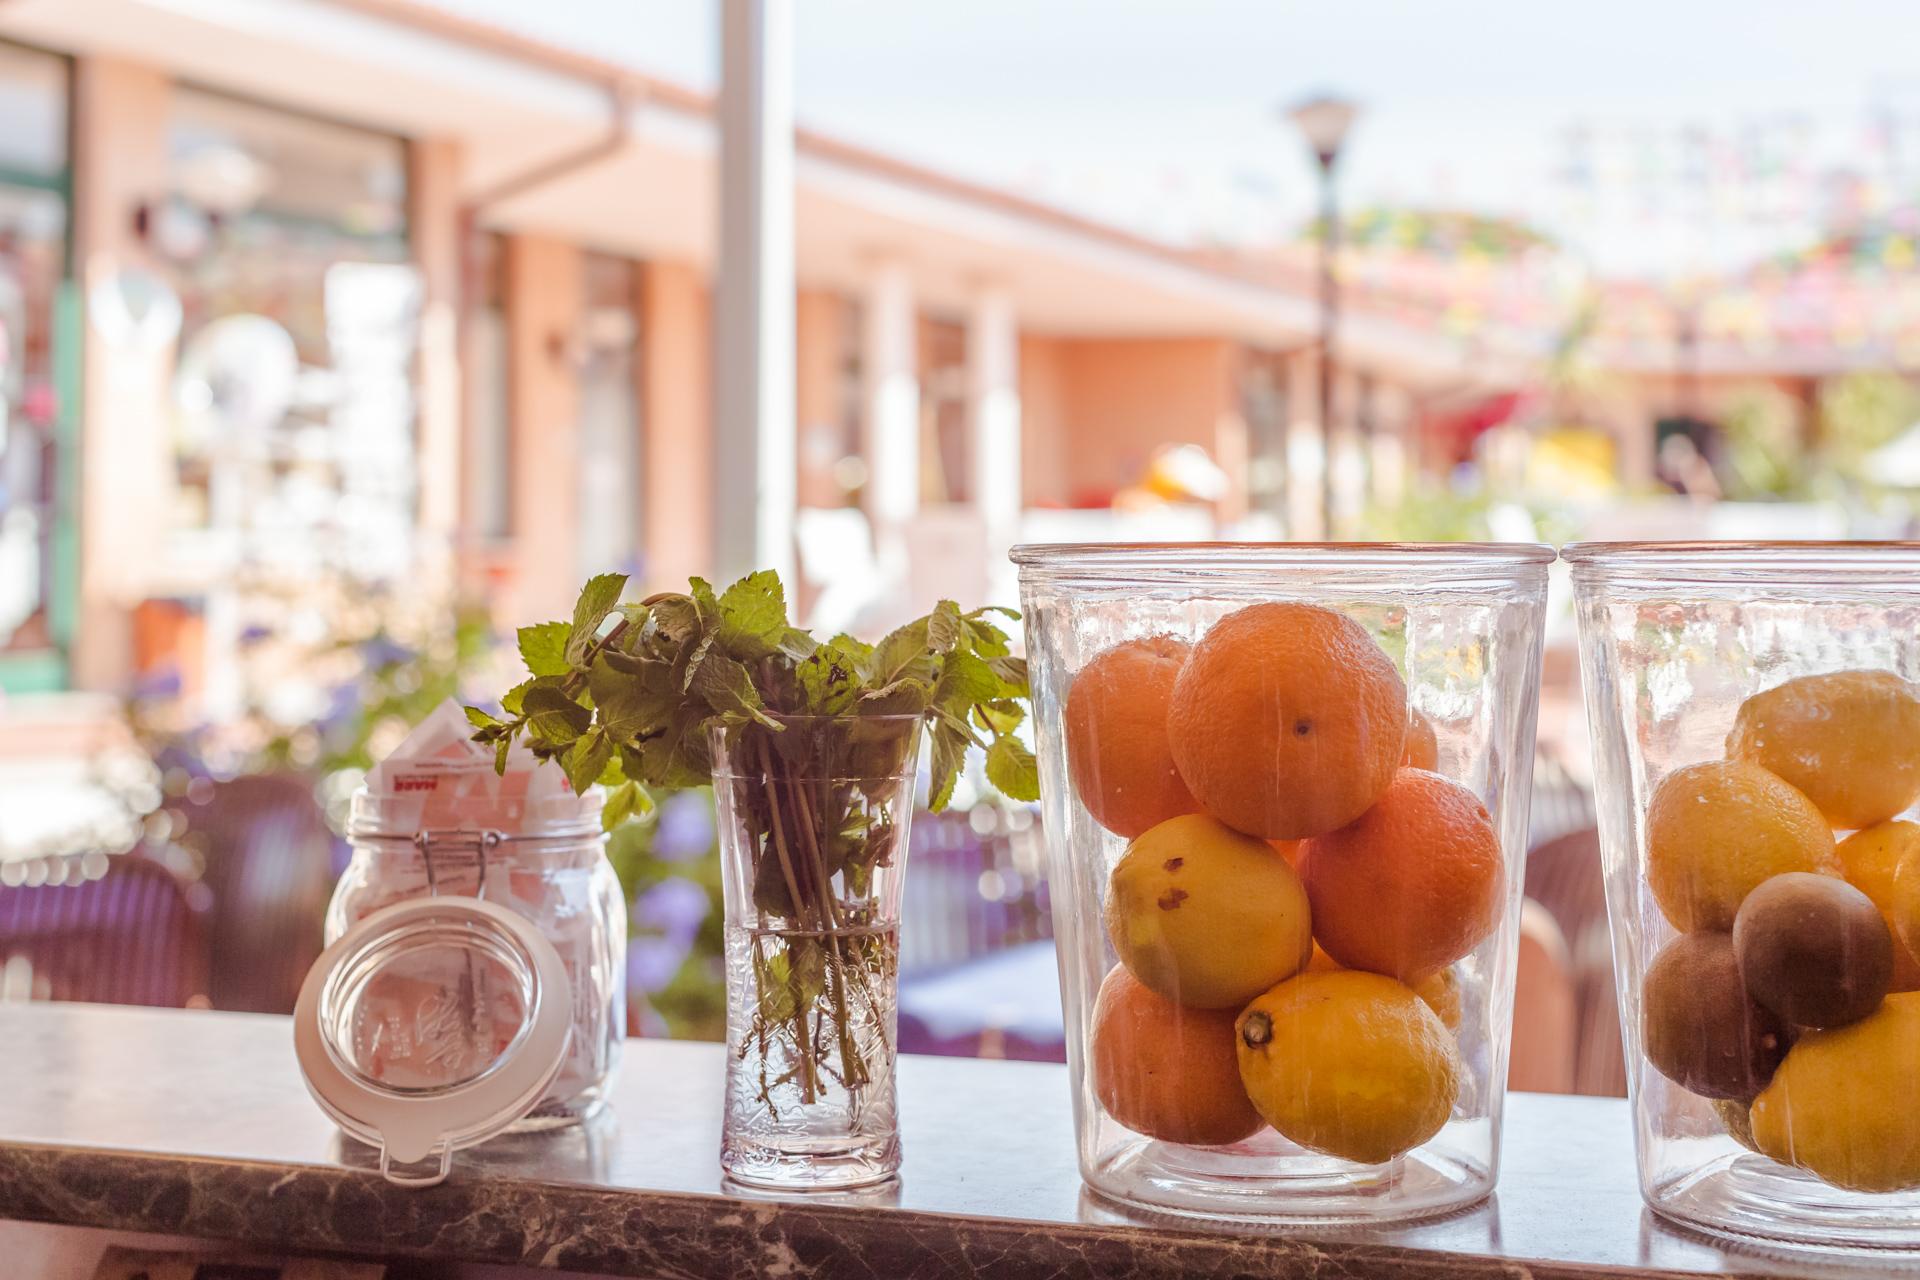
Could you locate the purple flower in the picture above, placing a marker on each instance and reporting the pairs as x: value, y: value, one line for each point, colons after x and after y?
x: 674, y: 908
x: 652, y: 962
x: 685, y: 828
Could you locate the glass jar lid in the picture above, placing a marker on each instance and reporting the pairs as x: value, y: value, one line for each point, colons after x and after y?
x: 430, y: 1026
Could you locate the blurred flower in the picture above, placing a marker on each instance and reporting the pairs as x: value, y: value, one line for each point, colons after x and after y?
x: 685, y: 829
x: 674, y: 907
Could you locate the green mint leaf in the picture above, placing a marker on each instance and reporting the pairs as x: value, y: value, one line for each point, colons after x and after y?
x: 513, y: 699
x: 695, y: 657
x: 585, y: 759
x: 986, y: 639
x: 1000, y: 609
x: 597, y: 600
x: 480, y: 719
x: 632, y: 696
x: 500, y: 750
x: 944, y: 629
x: 828, y: 681
x: 753, y: 615
x: 1002, y: 715
x: 705, y: 603
x: 965, y: 680
x: 797, y: 645
x: 619, y: 806
x: 725, y: 685
x: 858, y: 651
x: 909, y: 696
x: 903, y: 653
x: 681, y: 756
x: 553, y: 717
x: 1012, y: 769
x: 677, y: 617
x: 949, y: 753
x: 544, y: 648
x: 1013, y: 675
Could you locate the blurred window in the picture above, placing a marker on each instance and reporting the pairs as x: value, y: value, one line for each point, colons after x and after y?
x: 944, y: 473
x: 489, y: 471
x: 288, y: 241
x: 609, y: 476
x: 35, y: 350
x: 1263, y: 401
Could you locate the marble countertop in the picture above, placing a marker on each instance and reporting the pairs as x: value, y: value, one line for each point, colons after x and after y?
x: 197, y: 1124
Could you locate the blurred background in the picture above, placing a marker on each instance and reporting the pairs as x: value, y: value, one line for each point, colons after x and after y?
x: 340, y: 337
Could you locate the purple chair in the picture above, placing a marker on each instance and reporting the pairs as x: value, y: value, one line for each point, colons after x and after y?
x: 122, y: 933
x: 267, y: 857
x: 978, y: 971
x: 1564, y: 876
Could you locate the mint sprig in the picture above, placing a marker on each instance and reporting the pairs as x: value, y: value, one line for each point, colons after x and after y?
x: 626, y: 694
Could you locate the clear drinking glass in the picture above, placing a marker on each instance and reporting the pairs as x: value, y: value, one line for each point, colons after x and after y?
x: 813, y: 822
x: 1254, y: 660
x: 1752, y: 706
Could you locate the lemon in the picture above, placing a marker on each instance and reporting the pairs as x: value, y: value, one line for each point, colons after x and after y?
x: 1870, y: 860
x: 1850, y: 740
x: 1348, y: 1063
x: 1716, y: 830
x: 1205, y: 916
x: 1841, y: 1105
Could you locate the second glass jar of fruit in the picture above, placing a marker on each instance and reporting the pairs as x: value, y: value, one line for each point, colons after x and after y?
x: 1285, y: 792
x: 1757, y: 764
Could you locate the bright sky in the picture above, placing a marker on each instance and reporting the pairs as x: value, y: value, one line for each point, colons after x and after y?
x: 1163, y: 116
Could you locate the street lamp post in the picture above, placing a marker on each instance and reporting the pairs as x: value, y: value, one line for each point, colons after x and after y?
x: 1323, y: 121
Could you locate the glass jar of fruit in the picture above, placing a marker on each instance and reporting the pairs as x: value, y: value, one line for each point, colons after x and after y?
x: 1757, y: 766
x: 1285, y: 791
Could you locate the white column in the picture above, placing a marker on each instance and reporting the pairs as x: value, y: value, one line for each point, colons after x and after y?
x: 1392, y: 420
x: 753, y: 437
x: 890, y: 362
x: 993, y: 404
x: 1346, y: 457
x: 1306, y: 449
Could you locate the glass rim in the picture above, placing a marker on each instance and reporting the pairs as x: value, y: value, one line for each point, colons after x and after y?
x: 1731, y: 562
x: 1055, y: 553
x: 1237, y: 566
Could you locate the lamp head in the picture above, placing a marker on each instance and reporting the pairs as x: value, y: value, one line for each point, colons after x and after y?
x: 1324, y: 120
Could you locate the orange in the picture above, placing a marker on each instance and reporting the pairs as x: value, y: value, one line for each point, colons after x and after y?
x: 1716, y: 830
x: 1423, y: 746
x: 1849, y: 740
x: 1168, y: 1072
x: 1869, y: 860
x: 1287, y: 721
x: 1412, y: 886
x: 1116, y: 726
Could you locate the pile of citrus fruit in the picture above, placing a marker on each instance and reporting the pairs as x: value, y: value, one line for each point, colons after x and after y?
x: 1791, y: 998
x: 1297, y: 887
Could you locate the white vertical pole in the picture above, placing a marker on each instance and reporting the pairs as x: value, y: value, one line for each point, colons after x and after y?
x: 1306, y: 450
x: 993, y: 402
x: 890, y: 361
x: 753, y: 438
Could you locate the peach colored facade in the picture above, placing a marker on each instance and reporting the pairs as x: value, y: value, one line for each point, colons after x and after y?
x: 957, y: 369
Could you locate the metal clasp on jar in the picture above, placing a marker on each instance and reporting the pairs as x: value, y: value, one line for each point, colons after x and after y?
x: 482, y: 841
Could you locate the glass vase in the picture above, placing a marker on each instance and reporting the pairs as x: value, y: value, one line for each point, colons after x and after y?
x: 1209, y: 902
x: 813, y: 821
x: 1756, y: 736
